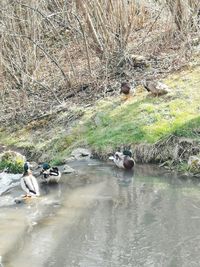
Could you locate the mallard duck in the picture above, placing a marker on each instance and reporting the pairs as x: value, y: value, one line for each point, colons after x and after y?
x: 50, y: 174
x: 29, y: 183
x: 123, y: 159
x: 155, y: 88
x: 125, y: 89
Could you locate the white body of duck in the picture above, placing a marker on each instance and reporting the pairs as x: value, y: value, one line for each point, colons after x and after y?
x: 123, y: 160
x: 29, y: 183
x: 50, y: 174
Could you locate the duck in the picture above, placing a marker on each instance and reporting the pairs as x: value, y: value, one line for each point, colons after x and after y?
x: 125, y: 89
x: 123, y: 160
x: 156, y: 88
x: 29, y: 183
x: 50, y: 174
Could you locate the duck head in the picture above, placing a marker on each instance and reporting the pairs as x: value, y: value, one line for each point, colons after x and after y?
x: 27, y: 167
x: 46, y: 166
x: 127, y: 153
x: 125, y: 88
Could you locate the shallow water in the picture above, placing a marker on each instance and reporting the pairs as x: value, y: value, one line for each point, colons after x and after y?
x: 104, y: 217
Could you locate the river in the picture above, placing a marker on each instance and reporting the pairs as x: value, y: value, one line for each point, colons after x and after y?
x: 103, y: 217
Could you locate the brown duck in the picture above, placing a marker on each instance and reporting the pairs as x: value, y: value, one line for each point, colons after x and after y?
x: 156, y: 88
x: 126, y: 89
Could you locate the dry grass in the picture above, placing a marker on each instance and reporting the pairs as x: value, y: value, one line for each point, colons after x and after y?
x: 49, y: 51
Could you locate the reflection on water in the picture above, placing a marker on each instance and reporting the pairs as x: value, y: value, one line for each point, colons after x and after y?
x: 124, y: 177
x: 106, y: 217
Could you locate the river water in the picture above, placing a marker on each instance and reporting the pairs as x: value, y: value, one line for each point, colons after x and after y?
x: 102, y: 217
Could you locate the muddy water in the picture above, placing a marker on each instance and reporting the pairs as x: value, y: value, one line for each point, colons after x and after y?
x: 104, y: 217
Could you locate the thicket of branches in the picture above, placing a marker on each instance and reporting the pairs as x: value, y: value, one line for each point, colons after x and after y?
x: 50, y: 49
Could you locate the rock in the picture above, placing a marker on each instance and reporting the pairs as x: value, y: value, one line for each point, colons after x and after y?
x: 194, y: 163
x: 81, y: 153
x: 19, y: 200
x: 68, y: 169
x: 70, y: 159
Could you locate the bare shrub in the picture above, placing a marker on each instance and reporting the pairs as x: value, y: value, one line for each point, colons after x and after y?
x: 54, y: 49
x: 184, y: 13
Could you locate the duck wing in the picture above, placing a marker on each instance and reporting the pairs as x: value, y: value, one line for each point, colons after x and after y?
x: 31, y: 185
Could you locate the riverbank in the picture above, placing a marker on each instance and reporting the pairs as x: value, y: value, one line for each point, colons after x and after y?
x: 158, y: 129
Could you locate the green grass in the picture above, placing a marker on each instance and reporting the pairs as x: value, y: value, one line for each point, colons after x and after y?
x: 112, y: 122
x: 12, y: 162
x: 57, y: 161
x: 147, y: 120
x: 189, y: 129
x: 12, y: 167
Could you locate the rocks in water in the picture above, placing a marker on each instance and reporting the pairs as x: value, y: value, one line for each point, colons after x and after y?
x: 68, y: 169
x: 70, y: 159
x: 24, y: 200
x: 81, y: 153
x: 19, y: 200
x: 8, y: 181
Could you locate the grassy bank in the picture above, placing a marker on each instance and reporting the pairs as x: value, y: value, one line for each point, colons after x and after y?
x: 145, y: 119
x: 113, y: 122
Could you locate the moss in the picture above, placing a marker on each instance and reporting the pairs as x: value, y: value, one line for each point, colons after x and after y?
x: 12, y: 162
x: 12, y: 167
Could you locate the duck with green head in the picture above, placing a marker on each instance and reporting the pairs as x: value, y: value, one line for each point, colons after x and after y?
x: 50, y: 174
x: 29, y: 183
x: 123, y: 159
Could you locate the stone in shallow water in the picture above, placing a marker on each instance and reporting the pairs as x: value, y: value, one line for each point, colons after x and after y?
x: 81, y: 153
x: 24, y: 200
x: 19, y: 200
x: 68, y: 169
x: 70, y: 159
